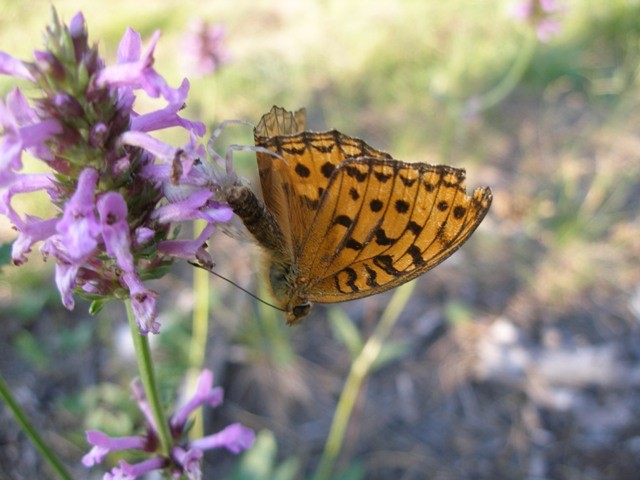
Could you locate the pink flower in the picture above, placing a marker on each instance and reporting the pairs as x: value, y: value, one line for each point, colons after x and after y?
x: 185, y: 455
x: 109, y: 175
x: 204, y: 46
x: 542, y: 14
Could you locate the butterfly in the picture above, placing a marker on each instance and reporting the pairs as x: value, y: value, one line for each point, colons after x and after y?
x: 340, y: 220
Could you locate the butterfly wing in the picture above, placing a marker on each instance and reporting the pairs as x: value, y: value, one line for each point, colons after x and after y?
x: 382, y: 223
x: 293, y: 184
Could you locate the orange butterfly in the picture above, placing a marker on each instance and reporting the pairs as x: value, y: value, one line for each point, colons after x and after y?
x: 341, y: 220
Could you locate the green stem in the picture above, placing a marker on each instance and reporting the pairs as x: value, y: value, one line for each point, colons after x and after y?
x: 32, y: 433
x: 490, y: 99
x: 360, y: 368
x: 500, y: 91
x: 199, y: 335
x: 147, y: 376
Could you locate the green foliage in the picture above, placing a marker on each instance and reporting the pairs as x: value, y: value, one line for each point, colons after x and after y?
x: 345, y: 331
x: 260, y: 463
x: 5, y: 254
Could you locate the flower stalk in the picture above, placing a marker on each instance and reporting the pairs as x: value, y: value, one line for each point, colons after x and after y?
x: 21, y: 417
x: 360, y: 369
x: 148, y: 379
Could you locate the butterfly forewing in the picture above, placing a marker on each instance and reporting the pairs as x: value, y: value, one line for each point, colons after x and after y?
x: 280, y: 122
x: 383, y: 222
x: 307, y: 162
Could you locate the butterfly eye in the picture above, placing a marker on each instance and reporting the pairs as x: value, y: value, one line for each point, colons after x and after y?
x: 301, y: 311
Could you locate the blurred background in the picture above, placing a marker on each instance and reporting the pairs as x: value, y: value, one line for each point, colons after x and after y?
x: 518, y: 358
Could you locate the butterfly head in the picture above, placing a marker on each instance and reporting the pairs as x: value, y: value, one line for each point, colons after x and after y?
x: 297, y: 313
x: 289, y: 289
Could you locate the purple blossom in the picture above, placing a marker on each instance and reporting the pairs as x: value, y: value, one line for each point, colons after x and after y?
x: 20, y: 131
x: 79, y: 227
x: 115, y: 229
x: 14, y: 67
x: 197, y: 205
x: 205, y: 394
x: 143, y: 302
x: 103, y: 444
x: 204, y: 45
x: 168, y: 117
x: 188, y: 249
x: 126, y: 471
x: 134, y: 70
x: 542, y: 14
x: 234, y: 438
x: 115, y: 188
x: 185, y: 455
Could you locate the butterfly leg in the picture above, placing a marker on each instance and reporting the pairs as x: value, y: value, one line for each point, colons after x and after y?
x: 231, y: 177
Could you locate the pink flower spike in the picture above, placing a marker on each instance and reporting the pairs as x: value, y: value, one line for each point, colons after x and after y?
x: 34, y: 230
x: 14, y: 67
x: 189, y: 460
x: 112, y: 210
x: 235, y: 438
x: 135, y: 71
x: 204, y: 394
x: 141, y: 399
x: 127, y: 471
x: 168, y: 116
x: 187, y: 209
x: 79, y: 227
x: 130, y: 46
x: 22, y: 183
x: 77, y: 26
x: 19, y: 107
x: 143, y: 302
x: 142, y: 235
x: 103, y: 445
x: 66, y: 281
x: 204, y: 46
x: 149, y: 143
x: 190, y: 249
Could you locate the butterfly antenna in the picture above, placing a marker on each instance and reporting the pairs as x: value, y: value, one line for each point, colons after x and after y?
x: 236, y: 285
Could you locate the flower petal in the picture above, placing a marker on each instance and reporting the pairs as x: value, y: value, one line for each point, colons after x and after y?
x: 235, y: 438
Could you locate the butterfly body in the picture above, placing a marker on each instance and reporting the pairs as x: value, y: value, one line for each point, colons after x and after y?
x: 341, y: 220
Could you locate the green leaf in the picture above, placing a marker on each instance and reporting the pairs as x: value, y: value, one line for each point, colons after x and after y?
x: 345, y: 331
x: 31, y: 350
x: 259, y: 463
x: 5, y: 254
x: 390, y: 351
x: 355, y: 471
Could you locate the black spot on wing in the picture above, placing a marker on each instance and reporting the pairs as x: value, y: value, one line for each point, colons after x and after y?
x: 327, y: 169
x: 352, y: 277
x: 353, y: 244
x: 416, y: 255
x: 414, y: 228
x: 382, y: 239
x: 402, y: 206
x: 382, y: 177
x: 376, y: 205
x: 372, y: 276
x: 343, y: 220
x: 385, y: 262
x: 354, y: 172
x: 459, y: 212
x: 302, y: 170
